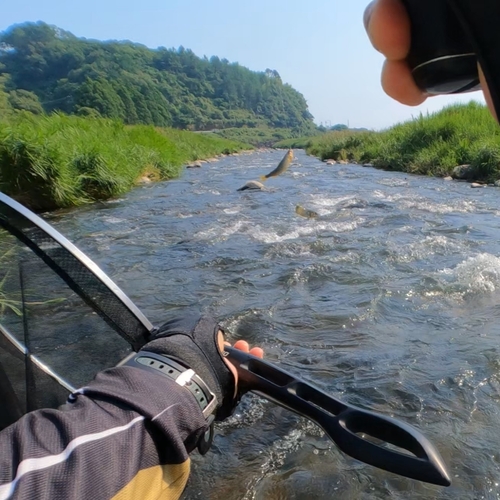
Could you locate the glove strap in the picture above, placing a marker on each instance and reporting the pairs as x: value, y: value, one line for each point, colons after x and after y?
x: 185, y: 377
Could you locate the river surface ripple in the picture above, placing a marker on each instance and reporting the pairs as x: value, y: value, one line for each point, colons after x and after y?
x: 388, y: 300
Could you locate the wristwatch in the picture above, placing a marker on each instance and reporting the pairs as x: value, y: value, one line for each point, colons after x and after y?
x: 185, y: 377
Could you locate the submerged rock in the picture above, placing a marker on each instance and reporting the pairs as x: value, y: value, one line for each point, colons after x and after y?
x: 254, y: 185
x: 194, y: 164
x: 305, y: 212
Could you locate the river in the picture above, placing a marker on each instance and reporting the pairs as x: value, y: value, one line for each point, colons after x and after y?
x: 388, y: 300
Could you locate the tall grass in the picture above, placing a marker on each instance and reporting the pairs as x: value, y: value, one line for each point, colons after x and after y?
x: 258, y: 136
x: 56, y: 161
x: 296, y: 143
x: 8, y: 301
x: 430, y: 145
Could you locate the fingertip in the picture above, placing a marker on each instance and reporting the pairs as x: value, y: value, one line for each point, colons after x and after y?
x: 398, y: 83
x: 242, y: 345
x: 388, y: 28
x: 257, y: 352
x: 368, y: 14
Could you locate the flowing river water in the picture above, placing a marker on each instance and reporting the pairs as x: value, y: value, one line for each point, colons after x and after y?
x: 389, y: 300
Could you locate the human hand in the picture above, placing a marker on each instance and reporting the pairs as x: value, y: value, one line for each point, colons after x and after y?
x: 242, y: 345
x: 388, y: 27
x: 198, y: 343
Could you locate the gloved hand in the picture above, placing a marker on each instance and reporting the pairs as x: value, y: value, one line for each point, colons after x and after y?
x: 197, y: 343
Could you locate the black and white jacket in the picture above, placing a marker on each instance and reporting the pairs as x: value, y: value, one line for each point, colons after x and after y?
x: 127, y: 435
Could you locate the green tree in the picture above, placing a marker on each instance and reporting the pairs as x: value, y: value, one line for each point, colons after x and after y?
x: 165, y: 87
x: 100, y: 95
x: 5, y: 107
x: 24, y: 100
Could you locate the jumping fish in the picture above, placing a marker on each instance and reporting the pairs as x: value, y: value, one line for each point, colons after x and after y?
x: 282, y: 167
x: 304, y: 212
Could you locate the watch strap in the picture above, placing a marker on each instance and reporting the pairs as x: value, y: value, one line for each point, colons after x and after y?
x: 185, y: 377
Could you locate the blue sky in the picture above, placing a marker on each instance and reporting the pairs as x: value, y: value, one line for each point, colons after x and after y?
x: 317, y: 46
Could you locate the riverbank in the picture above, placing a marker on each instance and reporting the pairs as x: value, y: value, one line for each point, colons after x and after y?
x: 50, y: 162
x: 262, y: 136
x: 458, y: 136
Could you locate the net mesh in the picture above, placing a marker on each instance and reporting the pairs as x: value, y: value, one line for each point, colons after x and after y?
x: 77, y: 275
x: 54, y: 307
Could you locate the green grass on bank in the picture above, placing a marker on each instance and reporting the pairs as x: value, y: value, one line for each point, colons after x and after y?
x: 428, y: 145
x: 261, y: 136
x: 54, y: 161
x: 296, y: 143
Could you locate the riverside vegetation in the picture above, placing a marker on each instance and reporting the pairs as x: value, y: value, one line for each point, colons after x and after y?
x: 47, y: 162
x: 122, y: 93
x: 133, y: 112
x: 428, y: 145
x: 48, y: 69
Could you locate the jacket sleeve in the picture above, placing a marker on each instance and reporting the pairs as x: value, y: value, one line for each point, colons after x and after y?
x: 127, y: 435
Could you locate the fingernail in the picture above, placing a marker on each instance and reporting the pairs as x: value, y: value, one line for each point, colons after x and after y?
x: 367, y: 17
x: 368, y: 14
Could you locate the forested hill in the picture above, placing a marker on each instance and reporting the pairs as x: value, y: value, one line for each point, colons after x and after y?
x: 45, y: 68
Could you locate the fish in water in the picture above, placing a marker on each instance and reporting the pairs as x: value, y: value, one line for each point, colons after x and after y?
x: 282, y: 167
x: 304, y: 212
x: 252, y: 185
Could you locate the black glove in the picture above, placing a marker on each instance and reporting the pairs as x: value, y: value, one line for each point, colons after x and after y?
x: 193, y: 342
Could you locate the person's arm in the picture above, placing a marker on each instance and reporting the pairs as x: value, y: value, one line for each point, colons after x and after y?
x: 128, y: 434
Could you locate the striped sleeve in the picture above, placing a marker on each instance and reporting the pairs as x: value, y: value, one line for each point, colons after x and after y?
x: 126, y: 436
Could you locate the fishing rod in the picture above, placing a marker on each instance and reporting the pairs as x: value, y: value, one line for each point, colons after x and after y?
x: 352, y: 429
x: 448, y: 40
